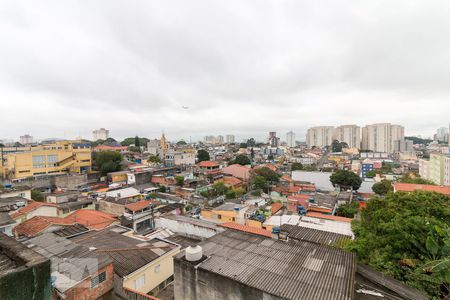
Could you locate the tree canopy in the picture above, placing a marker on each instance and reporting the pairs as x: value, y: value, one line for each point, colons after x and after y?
x: 202, y: 155
x: 268, y: 174
x: 414, y: 178
x: 154, y: 159
x: 406, y: 235
x: 240, y: 159
x: 182, y: 142
x: 179, y: 180
x: 259, y: 182
x: 348, y: 210
x: 37, y: 195
x: 346, y: 179
x: 132, y: 141
x: 107, y: 161
x: 382, y: 188
x: 337, y: 146
x: 296, y: 166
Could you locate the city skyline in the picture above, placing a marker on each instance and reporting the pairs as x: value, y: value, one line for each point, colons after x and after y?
x: 293, y: 65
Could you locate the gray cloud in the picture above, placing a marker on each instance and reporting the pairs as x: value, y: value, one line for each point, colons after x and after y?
x: 243, y: 67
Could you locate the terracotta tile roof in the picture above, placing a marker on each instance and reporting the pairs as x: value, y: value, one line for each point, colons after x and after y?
x: 269, y: 166
x: 160, y: 180
x: 32, y: 205
x: 140, y: 205
x: 208, y: 164
x: 411, y: 187
x: 245, y: 228
x: 37, y: 224
x: 92, y: 219
x: 231, y: 181
x: 294, y: 189
x: 276, y: 207
x: 106, y: 147
x: 299, y: 197
x: 286, y: 178
x: 320, y: 209
x: 238, y: 171
x: 328, y: 217
x: 307, y: 187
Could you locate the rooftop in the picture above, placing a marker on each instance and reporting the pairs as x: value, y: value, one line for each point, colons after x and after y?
x: 208, y: 164
x: 411, y: 187
x: 289, y: 270
x: 128, y: 254
x: 32, y: 205
x: 14, y: 189
x: 137, y: 206
x: 229, y: 206
x: 328, y: 217
x: 245, y: 228
x: 313, y: 235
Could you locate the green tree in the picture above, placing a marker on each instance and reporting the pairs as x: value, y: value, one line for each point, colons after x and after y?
x: 137, y: 142
x: 37, y: 195
x: 241, y: 160
x: 371, y: 174
x: 406, y: 235
x: 348, y: 210
x: 336, y: 146
x: 243, y: 145
x: 107, y: 161
x: 132, y: 141
x: 220, y: 188
x: 202, y: 155
x: 1, y: 145
x: 296, y: 166
x: 268, y: 174
x: 251, y: 142
x: 259, y: 183
x: 179, y: 180
x: 414, y: 178
x: 154, y: 159
x: 182, y: 142
x: 382, y: 187
x: 17, y: 144
x: 162, y: 189
x: 346, y: 179
x: 230, y: 194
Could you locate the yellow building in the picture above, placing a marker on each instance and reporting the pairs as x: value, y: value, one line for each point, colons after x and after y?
x: 59, y: 158
x: 228, y: 212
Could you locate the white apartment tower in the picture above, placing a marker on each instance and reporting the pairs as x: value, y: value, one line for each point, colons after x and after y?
x: 100, y: 134
x: 350, y: 134
x: 26, y: 139
x: 290, y: 139
x: 321, y: 136
x: 229, y: 138
x: 381, y: 137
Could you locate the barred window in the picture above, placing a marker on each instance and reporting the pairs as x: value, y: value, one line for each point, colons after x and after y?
x: 98, y: 279
x: 38, y: 161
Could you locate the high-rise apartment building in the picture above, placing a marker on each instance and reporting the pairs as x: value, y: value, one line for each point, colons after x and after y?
x: 320, y: 136
x: 290, y: 139
x: 273, y: 140
x: 26, y: 139
x: 350, y: 134
x: 441, y: 134
x: 229, y: 138
x: 381, y: 137
x: 100, y: 134
x: 436, y: 169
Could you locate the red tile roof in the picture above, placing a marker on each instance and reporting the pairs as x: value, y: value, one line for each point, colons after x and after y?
x: 231, y: 181
x: 246, y: 228
x: 299, y: 197
x: 294, y: 189
x: 37, y: 224
x: 93, y: 219
x: 276, y: 207
x: 208, y: 164
x: 286, y: 178
x: 328, y: 217
x: 238, y: 171
x: 140, y: 205
x: 113, y: 148
x: 320, y: 209
x: 411, y: 187
x: 32, y: 205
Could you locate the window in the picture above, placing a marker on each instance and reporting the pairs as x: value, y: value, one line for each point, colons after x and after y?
x: 219, y: 217
x: 157, y: 268
x: 139, y: 283
x: 233, y: 219
x: 98, y: 279
x: 38, y: 161
x: 52, y: 160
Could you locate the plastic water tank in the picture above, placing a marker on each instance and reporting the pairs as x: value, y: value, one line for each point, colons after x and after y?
x: 194, y: 253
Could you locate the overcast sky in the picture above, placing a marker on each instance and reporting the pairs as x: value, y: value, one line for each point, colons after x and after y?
x: 242, y: 67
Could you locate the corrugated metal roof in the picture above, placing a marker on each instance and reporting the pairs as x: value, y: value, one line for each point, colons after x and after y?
x: 290, y: 270
x: 313, y: 235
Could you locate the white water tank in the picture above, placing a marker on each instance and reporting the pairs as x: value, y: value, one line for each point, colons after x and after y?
x: 194, y: 253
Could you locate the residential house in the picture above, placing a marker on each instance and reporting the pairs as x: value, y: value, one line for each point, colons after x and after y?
x: 227, y: 212
x: 77, y: 271
x: 16, y: 191
x: 236, y: 170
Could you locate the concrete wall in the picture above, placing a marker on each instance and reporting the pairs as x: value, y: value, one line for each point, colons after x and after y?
x: 111, y: 208
x: 191, y: 283
x: 187, y: 229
